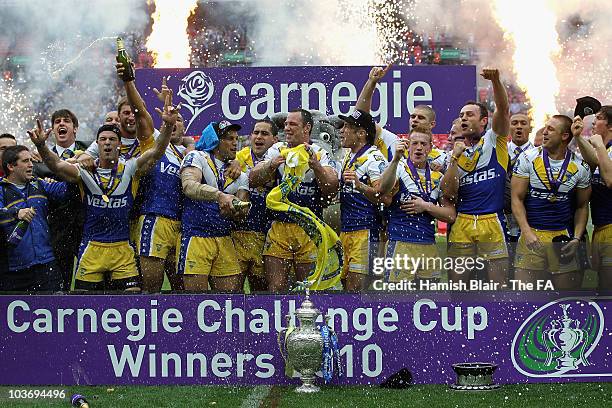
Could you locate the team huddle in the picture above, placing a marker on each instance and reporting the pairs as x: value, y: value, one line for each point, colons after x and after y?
x: 140, y: 203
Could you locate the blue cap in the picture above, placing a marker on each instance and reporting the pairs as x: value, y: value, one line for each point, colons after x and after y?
x: 209, y: 139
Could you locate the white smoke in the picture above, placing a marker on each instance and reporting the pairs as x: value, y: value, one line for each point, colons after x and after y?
x: 54, y: 33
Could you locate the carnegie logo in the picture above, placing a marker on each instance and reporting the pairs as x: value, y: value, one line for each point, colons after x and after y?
x: 557, y: 339
x: 196, y: 90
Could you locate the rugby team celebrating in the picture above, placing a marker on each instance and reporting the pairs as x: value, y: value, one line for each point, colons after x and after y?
x: 142, y: 203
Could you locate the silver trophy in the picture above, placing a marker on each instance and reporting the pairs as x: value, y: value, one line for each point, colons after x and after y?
x: 474, y: 377
x: 566, y: 339
x: 302, y: 346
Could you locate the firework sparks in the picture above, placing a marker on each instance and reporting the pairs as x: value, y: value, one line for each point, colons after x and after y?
x: 15, y: 111
x: 531, y: 28
x: 169, y: 42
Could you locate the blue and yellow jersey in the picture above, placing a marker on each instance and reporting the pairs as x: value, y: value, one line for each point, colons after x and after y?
x: 35, y: 245
x: 203, y: 218
x: 416, y: 228
x: 515, y: 151
x: 259, y: 218
x: 107, y: 211
x: 161, y: 187
x: 356, y: 211
x: 482, y: 175
x: 437, y: 157
x: 601, y: 198
x: 385, y: 142
x: 308, y: 193
x: 547, y: 210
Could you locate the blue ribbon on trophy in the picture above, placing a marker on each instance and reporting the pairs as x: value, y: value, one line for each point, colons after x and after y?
x: 331, y: 352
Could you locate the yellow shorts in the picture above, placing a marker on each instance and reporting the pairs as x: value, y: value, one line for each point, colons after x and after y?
x: 249, y: 248
x: 214, y: 256
x: 544, y: 259
x: 423, y: 260
x: 289, y: 241
x: 159, y: 236
x: 98, y: 258
x: 477, y: 236
x: 602, y: 246
x: 359, y: 247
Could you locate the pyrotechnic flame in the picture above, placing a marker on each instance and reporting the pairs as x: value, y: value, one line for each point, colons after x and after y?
x: 531, y: 27
x: 169, y: 42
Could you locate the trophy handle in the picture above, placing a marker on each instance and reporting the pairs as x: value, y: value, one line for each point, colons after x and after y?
x: 282, y: 344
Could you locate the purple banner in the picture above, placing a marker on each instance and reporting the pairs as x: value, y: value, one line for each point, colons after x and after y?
x: 232, y: 339
x: 244, y: 94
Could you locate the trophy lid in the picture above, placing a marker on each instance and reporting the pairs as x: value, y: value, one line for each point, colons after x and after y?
x: 307, y: 308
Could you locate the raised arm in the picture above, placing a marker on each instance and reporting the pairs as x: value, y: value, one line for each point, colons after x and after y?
x: 389, y: 176
x: 144, y: 121
x: 501, y: 116
x: 603, y: 160
x: 66, y: 171
x: 589, y: 155
x: 364, y: 101
x: 148, y: 159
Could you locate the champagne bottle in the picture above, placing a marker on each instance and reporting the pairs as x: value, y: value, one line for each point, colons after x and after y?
x: 79, y: 401
x: 124, y: 58
x: 18, y: 232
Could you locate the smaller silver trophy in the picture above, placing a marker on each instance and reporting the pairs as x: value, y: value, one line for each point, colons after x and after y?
x: 302, y: 346
x: 474, y: 377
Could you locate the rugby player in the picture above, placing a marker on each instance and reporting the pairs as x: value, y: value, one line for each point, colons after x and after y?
x: 359, y: 199
x: 416, y: 204
x: 475, y: 180
x: 597, y: 152
x: 207, y: 251
x: 544, y: 180
x: 108, y: 194
x: 287, y: 244
x: 249, y: 236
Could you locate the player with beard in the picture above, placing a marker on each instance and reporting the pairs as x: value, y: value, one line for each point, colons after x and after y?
x: 416, y: 204
x: 108, y: 194
x: 207, y: 251
x: 597, y: 152
x: 286, y: 243
x: 159, y: 224
x: 475, y: 181
x: 249, y: 236
x: 544, y: 180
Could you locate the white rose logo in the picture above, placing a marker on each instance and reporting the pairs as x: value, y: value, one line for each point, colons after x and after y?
x: 196, y: 89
